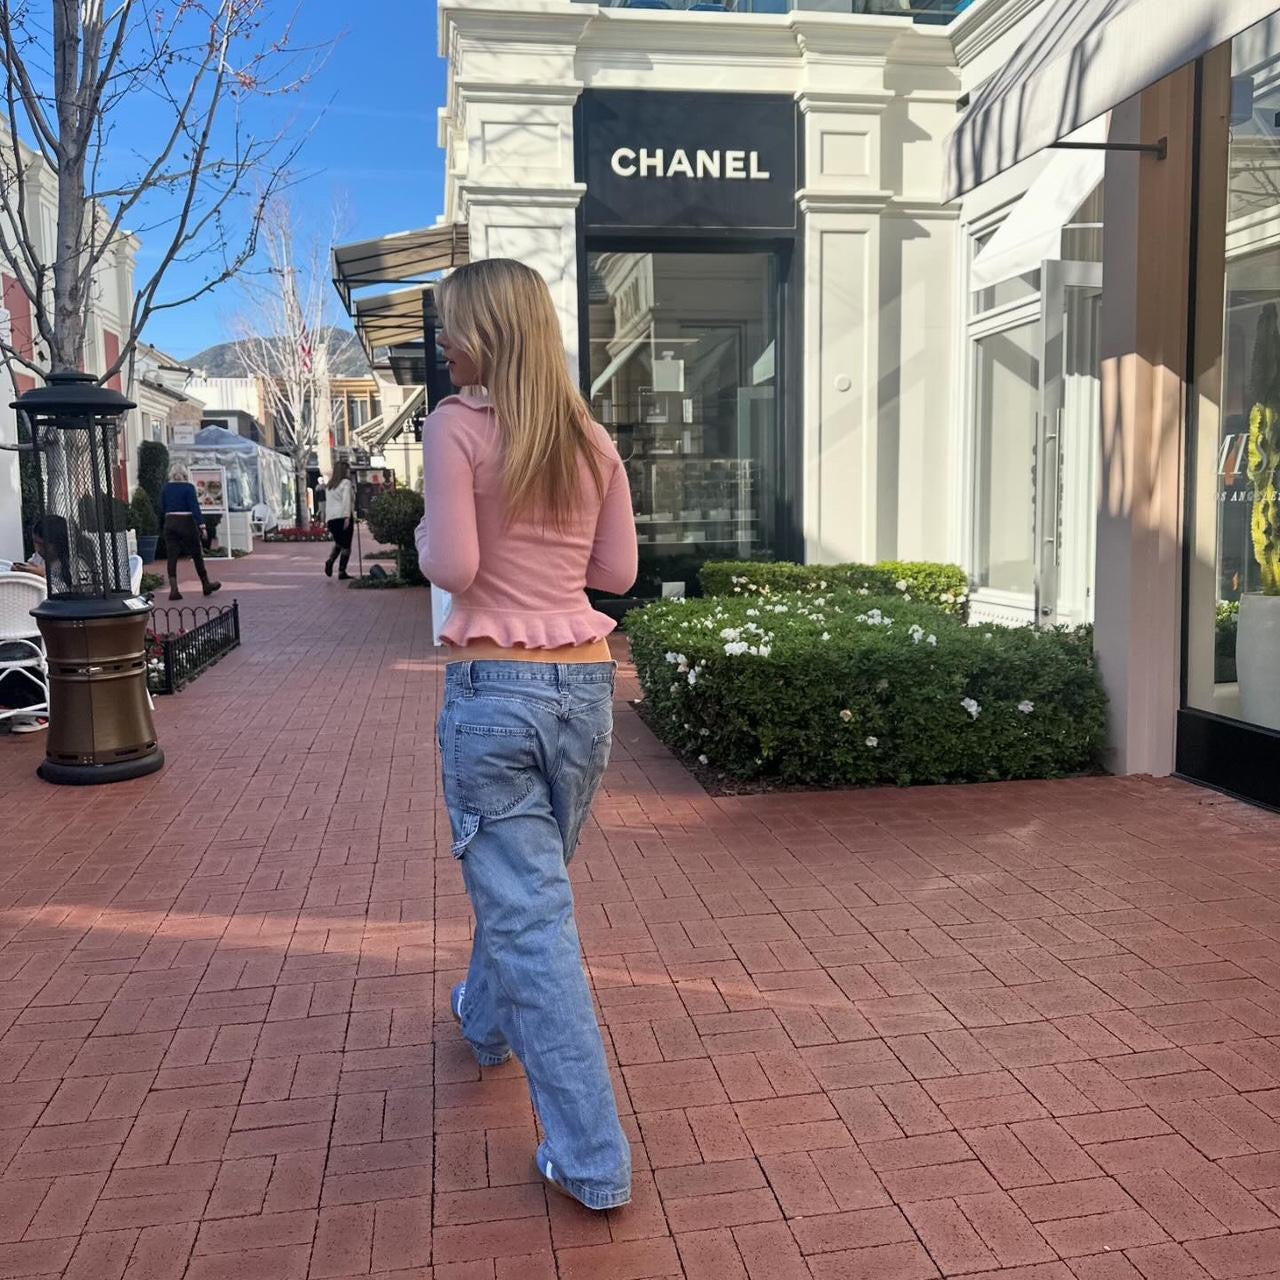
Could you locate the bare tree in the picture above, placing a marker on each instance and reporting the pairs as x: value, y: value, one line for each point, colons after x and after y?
x: 283, y: 335
x: 79, y: 91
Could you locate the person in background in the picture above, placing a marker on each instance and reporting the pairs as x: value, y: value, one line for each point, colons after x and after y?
x: 38, y: 563
x: 183, y: 529
x: 340, y: 516
x: 526, y: 506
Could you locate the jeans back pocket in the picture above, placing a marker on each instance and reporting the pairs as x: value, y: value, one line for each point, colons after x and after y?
x: 493, y: 768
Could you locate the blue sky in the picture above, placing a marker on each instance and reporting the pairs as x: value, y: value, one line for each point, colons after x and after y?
x: 372, y: 153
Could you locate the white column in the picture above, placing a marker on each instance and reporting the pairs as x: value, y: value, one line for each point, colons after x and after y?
x: 842, y: 202
x: 511, y: 149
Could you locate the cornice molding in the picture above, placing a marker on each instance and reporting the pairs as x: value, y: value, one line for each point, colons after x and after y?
x: 513, y: 195
x: 922, y: 210
x: 811, y: 200
x: 979, y: 27
x: 564, y: 94
x: 537, y: 22
x: 858, y: 102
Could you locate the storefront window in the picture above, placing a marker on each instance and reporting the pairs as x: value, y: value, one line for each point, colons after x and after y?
x: 1233, y: 632
x: 684, y: 369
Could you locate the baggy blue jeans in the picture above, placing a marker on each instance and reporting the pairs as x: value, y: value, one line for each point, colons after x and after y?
x: 524, y: 747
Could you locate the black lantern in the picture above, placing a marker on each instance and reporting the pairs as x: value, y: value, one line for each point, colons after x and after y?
x: 93, y: 626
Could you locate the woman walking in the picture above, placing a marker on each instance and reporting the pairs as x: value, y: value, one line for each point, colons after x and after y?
x: 527, y: 504
x: 183, y: 526
x: 340, y: 516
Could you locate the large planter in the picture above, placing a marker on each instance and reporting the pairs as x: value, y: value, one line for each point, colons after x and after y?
x: 147, y: 547
x: 1258, y: 659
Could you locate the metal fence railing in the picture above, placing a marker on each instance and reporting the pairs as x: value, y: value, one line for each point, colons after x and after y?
x: 183, y: 642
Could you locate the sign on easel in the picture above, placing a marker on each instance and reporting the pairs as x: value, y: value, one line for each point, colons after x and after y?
x: 211, y: 493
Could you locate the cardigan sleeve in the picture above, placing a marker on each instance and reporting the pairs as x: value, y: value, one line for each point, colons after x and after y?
x: 447, y: 540
x: 614, y: 554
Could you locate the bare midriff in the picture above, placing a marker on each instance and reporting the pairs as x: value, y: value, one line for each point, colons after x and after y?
x: 487, y: 651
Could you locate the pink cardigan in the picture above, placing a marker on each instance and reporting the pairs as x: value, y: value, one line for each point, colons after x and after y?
x: 520, y: 584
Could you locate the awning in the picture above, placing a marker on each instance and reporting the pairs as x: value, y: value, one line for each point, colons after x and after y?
x: 390, y: 319
x: 617, y: 362
x: 1085, y: 58
x: 1033, y: 230
x: 410, y: 257
x: 366, y: 433
x: 381, y: 431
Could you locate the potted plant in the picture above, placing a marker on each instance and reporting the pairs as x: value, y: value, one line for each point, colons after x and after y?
x: 143, y: 517
x: 1258, y: 635
x: 392, y: 519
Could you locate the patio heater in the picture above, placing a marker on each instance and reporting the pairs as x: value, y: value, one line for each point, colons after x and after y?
x: 100, y: 725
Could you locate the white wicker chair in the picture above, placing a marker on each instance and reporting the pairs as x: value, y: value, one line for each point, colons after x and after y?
x: 21, y: 648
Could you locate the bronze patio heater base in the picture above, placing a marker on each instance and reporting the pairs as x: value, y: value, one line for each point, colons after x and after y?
x: 93, y: 627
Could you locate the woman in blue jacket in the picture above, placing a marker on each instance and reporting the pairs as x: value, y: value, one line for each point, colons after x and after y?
x: 183, y: 521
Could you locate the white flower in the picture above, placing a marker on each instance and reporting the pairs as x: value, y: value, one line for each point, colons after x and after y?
x: 862, y: 591
x: 971, y: 707
x: 916, y: 633
x: 933, y: 640
x: 901, y: 584
x: 704, y: 733
x: 764, y: 650
x: 987, y: 635
x: 1026, y: 707
x: 826, y: 635
x: 731, y: 633
x: 846, y: 715
x: 693, y: 678
x: 753, y: 613
x: 873, y: 743
x: 881, y: 686
x: 735, y: 648
x: 703, y: 760
x: 673, y: 658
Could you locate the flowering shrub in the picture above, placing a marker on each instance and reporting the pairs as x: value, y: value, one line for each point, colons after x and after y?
x: 840, y: 689
x: 944, y: 586
x: 311, y: 533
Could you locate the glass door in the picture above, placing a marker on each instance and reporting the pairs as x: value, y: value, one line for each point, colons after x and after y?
x: 1068, y: 443
x: 1036, y: 412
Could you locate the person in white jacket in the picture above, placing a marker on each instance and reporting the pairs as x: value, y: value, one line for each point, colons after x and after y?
x: 340, y: 516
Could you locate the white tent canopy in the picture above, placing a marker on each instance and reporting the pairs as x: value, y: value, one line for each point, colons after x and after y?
x: 255, y: 474
x: 1081, y: 61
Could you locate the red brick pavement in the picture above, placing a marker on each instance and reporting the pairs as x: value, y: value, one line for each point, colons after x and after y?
x: 1031, y: 1031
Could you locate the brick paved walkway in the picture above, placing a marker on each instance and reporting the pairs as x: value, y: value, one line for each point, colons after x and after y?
x: 1029, y: 1030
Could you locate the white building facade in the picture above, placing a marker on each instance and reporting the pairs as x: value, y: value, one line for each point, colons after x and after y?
x: 848, y: 287
x: 108, y: 320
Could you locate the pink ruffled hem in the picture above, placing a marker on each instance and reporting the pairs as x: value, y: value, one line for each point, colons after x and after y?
x: 526, y: 630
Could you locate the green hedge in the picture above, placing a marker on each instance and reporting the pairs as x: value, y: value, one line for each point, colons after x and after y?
x: 841, y: 690
x: 945, y: 586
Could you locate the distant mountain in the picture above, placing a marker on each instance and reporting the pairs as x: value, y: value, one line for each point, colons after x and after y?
x: 346, y: 358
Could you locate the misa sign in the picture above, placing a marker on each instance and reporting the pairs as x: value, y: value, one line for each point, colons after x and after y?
x: 687, y: 160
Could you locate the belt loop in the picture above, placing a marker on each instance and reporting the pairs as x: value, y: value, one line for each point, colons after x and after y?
x: 468, y: 682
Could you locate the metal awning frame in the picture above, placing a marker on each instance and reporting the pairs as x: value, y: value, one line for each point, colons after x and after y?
x: 409, y: 257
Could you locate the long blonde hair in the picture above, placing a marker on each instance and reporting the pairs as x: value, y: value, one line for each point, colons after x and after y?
x: 501, y: 314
